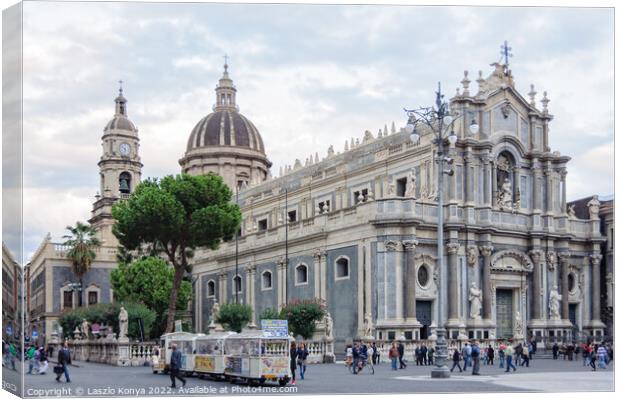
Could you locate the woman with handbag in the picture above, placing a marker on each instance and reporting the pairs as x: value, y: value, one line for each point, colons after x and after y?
x: 302, y: 355
x: 293, y: 365
x: 64, y: 359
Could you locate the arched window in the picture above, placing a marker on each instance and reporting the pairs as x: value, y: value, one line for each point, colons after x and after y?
x: 266, y: 280
x: 124, y: 183
x: 210, y: 289
x: 301, y: 274
x: 342, y: 268
x: 571, y: 282
x: 237, y: 285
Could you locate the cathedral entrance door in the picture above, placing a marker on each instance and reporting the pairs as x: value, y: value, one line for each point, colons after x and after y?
x: 423, y: 314
x: 504, y: 314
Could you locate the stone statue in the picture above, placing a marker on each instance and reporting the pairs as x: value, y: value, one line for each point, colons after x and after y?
x: 504, y: 198
x: 518, y: 325
x: 330, y: 151
x: 215, y: 311
x: 367, y: 325
x: 411, y: 186
x: 475, y: 301
x: 391, y: 191
x: 84, y: 329
x: 329, y: 326
x: 593, y: 206
x: 472, y: 255
x: 571, y: 212
x: 554, y: 303
x: 123, y: 322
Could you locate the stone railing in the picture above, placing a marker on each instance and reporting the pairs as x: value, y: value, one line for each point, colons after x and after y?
x: 110, y: 351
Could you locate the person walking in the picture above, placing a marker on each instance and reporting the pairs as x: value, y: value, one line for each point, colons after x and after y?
x: 356, y: 356
x: 601, y: 354
x: 401, y: 354
x: 490, y: 354
x: 375, y: 354
x: 175, y: 366
x: 456, y: 357
x: 466, y: 353
x: 508, y: 353
x: 585, y: 355
x: 30, y: 354
x: 43, y: 363
x: 64, y: 359
x: 555, y: 349
x: 293, y: 365
x: 417, y: 352
x: 431, y: 356
x: 532, y: 348
x: 525, y: 356
x: 424, y: 353
x: 516, y: 356
x: 393, y: 355
x: 302, y: 355
x: 475, y: 355
x: 592, y: 352
x: 502, y: 355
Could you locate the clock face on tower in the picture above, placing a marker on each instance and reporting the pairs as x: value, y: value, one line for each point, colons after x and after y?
x: 124, y: 149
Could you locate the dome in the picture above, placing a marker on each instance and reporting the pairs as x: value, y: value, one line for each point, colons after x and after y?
x: 226, y: 127
x: 120, y: 120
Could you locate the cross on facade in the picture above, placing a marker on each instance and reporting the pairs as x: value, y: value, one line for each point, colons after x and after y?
x: 120, y: 90
x: 226, y: 62
x: 505, y: 52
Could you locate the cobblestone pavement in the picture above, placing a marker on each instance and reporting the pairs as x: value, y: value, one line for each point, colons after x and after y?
x: 543, y: 375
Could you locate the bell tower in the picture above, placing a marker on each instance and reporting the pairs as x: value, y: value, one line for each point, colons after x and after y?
x: 120, y: 168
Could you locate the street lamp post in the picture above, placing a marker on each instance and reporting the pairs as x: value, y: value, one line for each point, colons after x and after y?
x: 440, y: 122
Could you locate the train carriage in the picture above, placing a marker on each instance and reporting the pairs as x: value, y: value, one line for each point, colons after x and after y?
x: 209, y: 354
x: 185, y: 342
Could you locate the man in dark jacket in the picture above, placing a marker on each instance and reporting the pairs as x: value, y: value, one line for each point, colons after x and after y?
x: 64, y: 359
x: 490, y: 354
x: 401, y: 353
x: 175, y: 366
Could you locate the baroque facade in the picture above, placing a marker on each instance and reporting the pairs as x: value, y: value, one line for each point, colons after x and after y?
x: 360, y: 230
x: 360, y: 227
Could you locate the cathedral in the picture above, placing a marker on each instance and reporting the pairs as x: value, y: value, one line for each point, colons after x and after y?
x: 358, y: 228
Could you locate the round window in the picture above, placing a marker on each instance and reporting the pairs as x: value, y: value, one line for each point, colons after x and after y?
x: 571, y: 282
x: 423, y: 275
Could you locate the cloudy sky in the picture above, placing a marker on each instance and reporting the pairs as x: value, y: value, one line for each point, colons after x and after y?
x: 307, y: 75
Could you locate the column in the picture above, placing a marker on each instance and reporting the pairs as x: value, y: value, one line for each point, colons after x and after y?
x: 400, y: 281
x: 317, y: 273
x: 487, y: 180
x: 549, y: 182
x: 468, y: 177
x: 411, y: 277
x: 492, y: 185
x: 249, y: 287
x: 564, y: 257
x: 536, y: 256
x: 281, y: 283
x: 453, y: 281
x: 596, y: 286
x: 486, y: 251
x: 563, y: 174
x: 517, y: 186
x: 535, y: 187
x: 222, y: 287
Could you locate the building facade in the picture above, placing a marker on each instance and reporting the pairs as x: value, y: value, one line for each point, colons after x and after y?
x: 357, y: 229
x: 360, y: 231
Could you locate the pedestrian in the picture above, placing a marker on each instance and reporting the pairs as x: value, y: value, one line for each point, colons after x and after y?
x: 418, y: 355
x: 43, y: 363
x: 502, y: 355
x: 592, y: 352
x: 401, y: 354
x: 356, y: 356
x: 349, y: 355
x: 485, y: 355
x: 302, y: 355
x: 508, y: 353
x: 532, y: 348
x: 64, y: 360
x: 371, y: 354
x: 424, y: 354
x: 475, y: 356
x: 555, y: 349
x: 13, y: 354
x: 175, y: 366
x: 293, y: 365
x: 585, y: 354
x: 431, y: 355
x: 601, y: 354
x: 490, y: 354
x: 393, y: 355
x: 375, y: 354
x: 525, y: 356
x: 50, y: 351
x: 456, y: 356
x: 466, y: 353
x: 518, y: 352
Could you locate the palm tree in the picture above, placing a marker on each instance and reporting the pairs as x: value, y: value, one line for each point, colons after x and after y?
x: 83, y: 242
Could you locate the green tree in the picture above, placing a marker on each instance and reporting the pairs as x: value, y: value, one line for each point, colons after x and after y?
x: 149, y: 281
x: 234, y: 316
x: 269, y: 314
x: 302, y: 316
x: 176, y: 215
x: 82, y: 243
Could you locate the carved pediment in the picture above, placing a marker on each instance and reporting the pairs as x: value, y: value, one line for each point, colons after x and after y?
x: 511, y: 261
